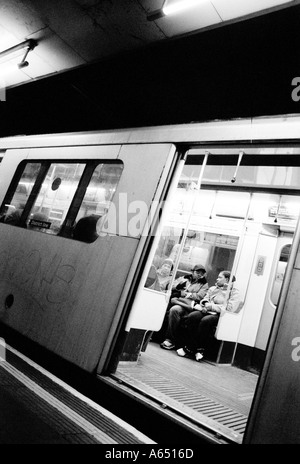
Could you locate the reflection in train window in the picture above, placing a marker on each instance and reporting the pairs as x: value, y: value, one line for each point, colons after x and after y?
x: 18, y: 194
x: 53, y: 197
x: 100, y: 190
x: 279, y: 275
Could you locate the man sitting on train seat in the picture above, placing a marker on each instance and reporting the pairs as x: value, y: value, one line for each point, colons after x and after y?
x: 183, y: 305
x: 179, y: 285
x: 198, y: 325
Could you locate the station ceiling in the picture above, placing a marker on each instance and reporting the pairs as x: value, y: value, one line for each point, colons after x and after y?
x: 73, y: 33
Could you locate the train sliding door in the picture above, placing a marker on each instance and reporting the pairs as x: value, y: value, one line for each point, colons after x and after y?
x: 230, y: 209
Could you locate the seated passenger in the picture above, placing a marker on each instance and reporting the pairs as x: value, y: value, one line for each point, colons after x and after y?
x: 85, y: 229
x: 159, y: 279
x: 183, y: 305
x: 14, y: 217
x: 180, y: 285
x: 199, y: 323
x: 164, y: 274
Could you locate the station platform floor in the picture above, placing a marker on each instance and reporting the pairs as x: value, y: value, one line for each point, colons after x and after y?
x: 38, y: 408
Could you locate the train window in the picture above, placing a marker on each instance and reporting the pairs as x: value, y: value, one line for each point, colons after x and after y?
x: 64, y: 198
x: 54, y: 198
x: 279, y: 274
x: 18, y: 195
x: 100, y: 190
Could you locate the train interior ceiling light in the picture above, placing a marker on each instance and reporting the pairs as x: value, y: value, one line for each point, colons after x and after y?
x: 17, y: 55
x: 216, y: 11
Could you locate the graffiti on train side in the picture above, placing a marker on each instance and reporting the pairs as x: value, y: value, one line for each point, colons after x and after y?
x: 48, y: 281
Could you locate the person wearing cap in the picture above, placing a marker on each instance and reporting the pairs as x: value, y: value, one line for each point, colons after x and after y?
x: 183, y: 305
x: 198, y: 324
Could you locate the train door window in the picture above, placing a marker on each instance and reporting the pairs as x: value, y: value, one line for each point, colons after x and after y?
x: 100, y: 190
x: 54, y: 197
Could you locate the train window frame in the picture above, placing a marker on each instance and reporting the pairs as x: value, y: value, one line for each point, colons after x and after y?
x: 89, y: 167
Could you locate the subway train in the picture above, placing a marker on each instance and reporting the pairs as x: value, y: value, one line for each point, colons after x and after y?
x: 87, y: 219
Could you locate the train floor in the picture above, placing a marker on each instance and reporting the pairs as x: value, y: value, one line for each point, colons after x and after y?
x: 38, y: 408
x: 216, y: 395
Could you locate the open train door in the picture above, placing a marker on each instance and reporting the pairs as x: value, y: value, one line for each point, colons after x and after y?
x: 169, y: 240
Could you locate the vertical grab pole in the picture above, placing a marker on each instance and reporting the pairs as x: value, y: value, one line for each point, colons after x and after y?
x: 237, y: 167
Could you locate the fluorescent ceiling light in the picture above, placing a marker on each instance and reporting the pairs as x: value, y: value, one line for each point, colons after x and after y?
x: 11, y: 59
x: 225, y: 9
x: 22, y: 49
x: 181, y: 5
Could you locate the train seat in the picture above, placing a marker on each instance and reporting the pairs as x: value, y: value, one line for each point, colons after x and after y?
x: 223, y: 337
x: 228, y: 324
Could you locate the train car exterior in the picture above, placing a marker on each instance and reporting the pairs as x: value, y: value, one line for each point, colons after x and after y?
x: 223, y: 193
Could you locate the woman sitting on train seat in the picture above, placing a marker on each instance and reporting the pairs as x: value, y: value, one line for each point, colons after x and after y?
x: 198, y: 325
x: 164, y: 274
x: 85, y: 229
x: 183, y: 305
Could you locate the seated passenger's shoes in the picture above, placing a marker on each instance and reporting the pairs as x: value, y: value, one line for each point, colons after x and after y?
x: 198, y: 356
x: 167, y: 345
x: 181, y: 352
